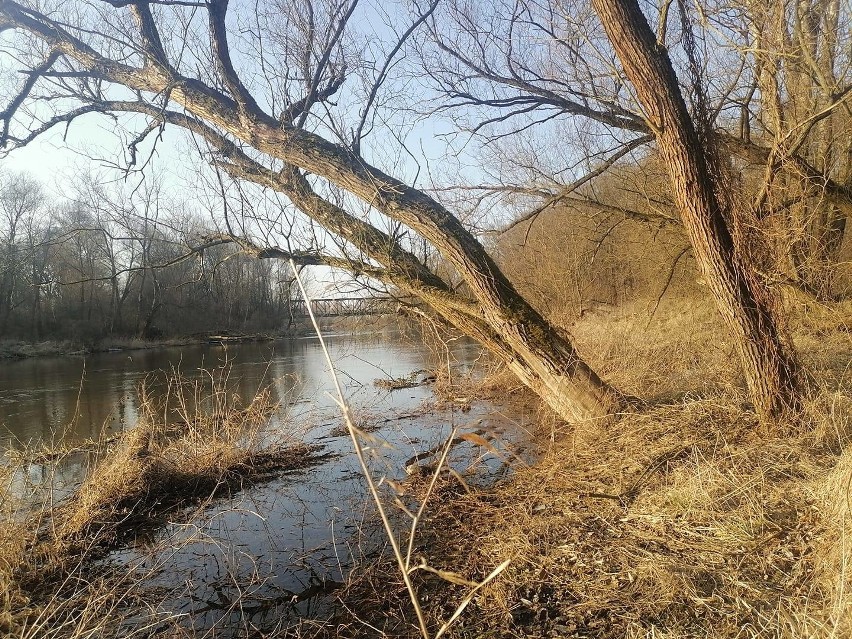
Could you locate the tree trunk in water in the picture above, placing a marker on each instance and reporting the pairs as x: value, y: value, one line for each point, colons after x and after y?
x: 770, y: 369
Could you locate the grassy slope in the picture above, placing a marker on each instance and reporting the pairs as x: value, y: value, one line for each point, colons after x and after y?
x: 682, y: 520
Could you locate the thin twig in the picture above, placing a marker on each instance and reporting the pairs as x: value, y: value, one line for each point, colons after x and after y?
x: 356, y: 443
x: 416, y: 519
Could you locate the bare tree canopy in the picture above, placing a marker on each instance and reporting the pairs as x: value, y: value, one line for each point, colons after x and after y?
x: 775, y: 78
x: 174, y: 65
x: 295, y: 97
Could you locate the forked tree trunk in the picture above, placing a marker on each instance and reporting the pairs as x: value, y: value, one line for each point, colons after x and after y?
x: 769, y: 366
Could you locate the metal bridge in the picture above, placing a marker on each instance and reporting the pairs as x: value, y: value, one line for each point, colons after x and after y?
x: 345, y: 306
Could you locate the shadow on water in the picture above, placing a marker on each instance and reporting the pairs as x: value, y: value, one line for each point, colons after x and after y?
x: 274, y: 552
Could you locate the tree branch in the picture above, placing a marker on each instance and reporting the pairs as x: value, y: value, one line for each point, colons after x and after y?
x: 304, y: 106
x: 32, y: 77
x: 571, y: 188
x: 151, y: 41
x: 217, y: 11
x: 356, y: 138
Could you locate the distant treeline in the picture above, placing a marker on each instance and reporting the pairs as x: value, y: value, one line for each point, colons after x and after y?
x: 97, y: 265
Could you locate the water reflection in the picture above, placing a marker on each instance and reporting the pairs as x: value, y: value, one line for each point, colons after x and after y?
x: 73, y: 399
x: 269, y: 554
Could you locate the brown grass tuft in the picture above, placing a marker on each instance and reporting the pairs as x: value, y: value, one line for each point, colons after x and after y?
x: 51, y: 579
x: 833, y: 568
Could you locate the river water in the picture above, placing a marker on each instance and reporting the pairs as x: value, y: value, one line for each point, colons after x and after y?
x: 269, y: 555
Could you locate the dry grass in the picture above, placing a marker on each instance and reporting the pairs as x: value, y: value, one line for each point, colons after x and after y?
x: 683, y: 520
x: 52, y: 581
x: 660, y: 354
x: 412, y: 380
x: 686, y: 522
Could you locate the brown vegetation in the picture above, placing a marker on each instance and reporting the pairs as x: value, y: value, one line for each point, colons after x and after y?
x: 53, y: 581
x: 687, y: 520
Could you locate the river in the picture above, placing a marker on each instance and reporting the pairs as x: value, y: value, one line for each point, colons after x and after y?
x: 269, y: 555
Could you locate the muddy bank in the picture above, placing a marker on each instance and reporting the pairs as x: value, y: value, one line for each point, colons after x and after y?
x: 14, y: 349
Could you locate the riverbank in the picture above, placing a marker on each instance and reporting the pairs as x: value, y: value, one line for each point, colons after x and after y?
x: 167, y: 546
x: 17, y: 349
x: 22, y: 349
x: 686, y: 520
x: 14, y: 349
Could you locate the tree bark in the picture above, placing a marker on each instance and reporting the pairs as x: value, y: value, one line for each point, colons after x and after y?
x: 770, y: 369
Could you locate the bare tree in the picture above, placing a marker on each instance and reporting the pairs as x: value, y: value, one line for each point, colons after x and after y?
x: 776, y: 78
x: 171, y: 62
x: 698, y: 183
x: 21, y: 198
x: 795, y: 117
x: 114, y: 259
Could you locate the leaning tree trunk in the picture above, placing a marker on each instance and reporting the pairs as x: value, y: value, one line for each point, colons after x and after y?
x: 541, y: 358
x: 497, y: 315
x: 769, y: 366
